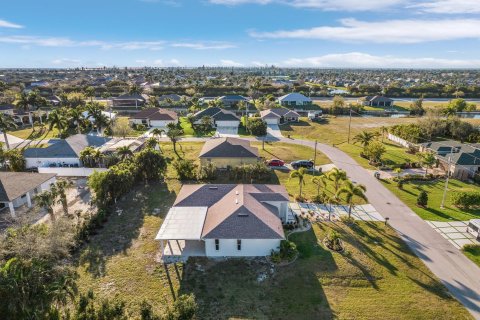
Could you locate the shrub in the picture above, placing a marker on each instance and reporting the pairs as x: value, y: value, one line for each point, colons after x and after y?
x: 185, y: 169
x: 422, y: 199
x: 288, y: 250
x: 257, y: 126
x: 465, y: 200
x: 333, y: 241
x: 184, y: 308
x: 208, y: 172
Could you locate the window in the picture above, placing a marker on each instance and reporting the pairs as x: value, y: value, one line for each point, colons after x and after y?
x: 217, y: 244
x: 239, y: 245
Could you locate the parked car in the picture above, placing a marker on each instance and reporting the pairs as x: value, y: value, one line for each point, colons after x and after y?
x: 302, y: 164
x: 275, y: 163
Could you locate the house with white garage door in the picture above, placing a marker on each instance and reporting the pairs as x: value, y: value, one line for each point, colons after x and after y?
x: 225, y: 121
x: 279, y: 115
x: 224, y: 220
x: 228, y: 152
x: 154, y: 117
x: 294, y: 99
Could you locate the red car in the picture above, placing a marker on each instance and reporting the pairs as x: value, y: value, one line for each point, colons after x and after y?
x: 275, y: 163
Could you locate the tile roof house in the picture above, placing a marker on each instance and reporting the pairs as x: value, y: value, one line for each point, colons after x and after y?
x: 224, y: 220
x: 19, y: 188
x: 228, y: 152
x: 225, y: 121
x: 62, y: 152
x: 154, y: 117
x: 279, y: 115
x: 464, y: 158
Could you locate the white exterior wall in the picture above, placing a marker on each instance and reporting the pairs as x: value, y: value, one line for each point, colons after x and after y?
x: 70, y: 172
x: 250, y: 247
x: 138, y: 121
x: 43, y: 187
x: 160, y: 123
x: 228, y: 162
x: 44, y: 162
x: 227, y: 123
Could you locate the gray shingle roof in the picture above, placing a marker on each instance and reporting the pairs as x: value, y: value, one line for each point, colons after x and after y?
x: 16, y: 184
x: 463, y: 154
x: 67, y: 148
x: 228, y: 148
x: 156, y: 114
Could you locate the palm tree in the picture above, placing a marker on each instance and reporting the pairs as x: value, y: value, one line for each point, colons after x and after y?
x: 428, y: 160
x: 57, y: 120
x: 6, y: 123
x: 86, y: 156
x: 300, y: 175
x: 157, y: 132
x: 46, y: 199
x: 320, y: 182
x: 124, y: 152
x: 90, y: 93
x: 352, y: 191
x: 135, y: 89
x: 151, y: 143
x: 23, y: 103
x: 364, y: 138
x: 337, y: 176
x: 174, y: 134
x: 383, y: 131
x: 101, y: 122
x: 59, y: 189
x: 76, y: 116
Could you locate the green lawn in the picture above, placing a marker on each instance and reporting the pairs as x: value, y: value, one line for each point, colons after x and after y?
x: 28, y: 133
x: 473, y: 253
x: 434, y: 189
x: 289, y: 152
x: 189, y: 130
x: 378, y: 277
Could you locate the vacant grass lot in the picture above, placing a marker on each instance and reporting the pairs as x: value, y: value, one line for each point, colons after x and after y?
x: 190, y: 131
x: 434, y: 189
x: 378, y: 277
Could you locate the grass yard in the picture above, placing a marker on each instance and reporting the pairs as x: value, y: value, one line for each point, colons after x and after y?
x: 27, y: 133
x: 190, y: 131
x: 434, y: 189
x: 473, y: 253
x: 376, y: 279
x: 135, y: 132
x: 289, y: 152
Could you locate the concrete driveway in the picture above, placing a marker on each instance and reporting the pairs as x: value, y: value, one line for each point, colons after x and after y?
x: 273, y: 130
x: 12, y: 140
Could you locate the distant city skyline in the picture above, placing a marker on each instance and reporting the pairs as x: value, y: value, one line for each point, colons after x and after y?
x: 241, y: 33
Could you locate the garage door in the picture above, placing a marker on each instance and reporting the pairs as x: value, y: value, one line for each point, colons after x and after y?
x: 227, y: 131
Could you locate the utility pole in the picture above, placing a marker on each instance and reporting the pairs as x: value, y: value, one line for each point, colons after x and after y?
x: 315, y: 156
x: 446, y: 184
x: 349, y: 125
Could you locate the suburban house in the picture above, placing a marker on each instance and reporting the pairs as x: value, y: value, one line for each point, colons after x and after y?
x: 279, y: 115
x: 7, y: 109
x: 62, y: 152
x: 294, y: 100
x: 232, y: 100
x: 19, y: 188
x: 224, y: 220
x: 129, y: 103
x: 154, y: 117
x: 225, y: 121
x: 464, y: 158
x: 376, y: 101
x: 170, y: 98
x: 228, y: 152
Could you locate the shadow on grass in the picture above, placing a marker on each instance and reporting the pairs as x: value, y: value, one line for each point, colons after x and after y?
x: 289, y: 126
x: 123, y: 226
x: 255, y: 289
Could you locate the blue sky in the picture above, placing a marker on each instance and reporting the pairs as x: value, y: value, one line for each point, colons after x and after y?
x: 304, y: 33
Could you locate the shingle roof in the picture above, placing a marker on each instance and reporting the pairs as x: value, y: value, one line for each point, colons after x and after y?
x: 16, y: 184
x: 135, y: 96
x: 228, y: 148
x: 236, y: 211
x: 294, y: 96
x: 4, y: 107
x: 156, y: 114
x: 463, y: 154
x: 278, y: 112
x: 217, y: 114
x: 67, y: 148
x: 173, y: 97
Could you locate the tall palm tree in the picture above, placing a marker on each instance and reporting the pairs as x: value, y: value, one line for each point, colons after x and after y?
x: 90, y: 93
x: 337, y: 176
x: 135, y: 89
x: 124, y: 152
x: 300, y: 175
x: 59, y: 189
x: 23, y: 103
x: 46, y: 200
x: 351, y: 192
x: 87, y: 157
x: 77, y: 118
x: 6, y: 123
x: 57, y: 120
x: 174, y: 134
x: 364, y: 138
x: 320, y: 182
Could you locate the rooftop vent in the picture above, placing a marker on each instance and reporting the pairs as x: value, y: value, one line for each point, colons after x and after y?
x: 236, y: 200
x: 243, y: 214
x: 213, y: 188
x: 236, y: 192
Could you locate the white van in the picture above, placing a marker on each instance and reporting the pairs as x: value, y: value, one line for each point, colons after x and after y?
x: 474, y: 228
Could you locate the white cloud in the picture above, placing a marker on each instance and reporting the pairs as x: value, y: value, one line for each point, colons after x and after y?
x: 174, y: 62
x: 449, y: 6
x: 230, y: 63
x: 390, y: 31
x: 365, y: 60
x: 168, y: 63
x: 141, y: 61
x: 203, y: 45
x: 326, y: 5
x: 7, y: 24
x: 66, y: 61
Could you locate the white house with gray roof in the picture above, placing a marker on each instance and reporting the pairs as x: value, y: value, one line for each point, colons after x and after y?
x: 294, y: 99
x: 224, y: 220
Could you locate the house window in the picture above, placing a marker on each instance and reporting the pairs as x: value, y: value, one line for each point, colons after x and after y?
x: 239, y: 245
x: 217, y: 244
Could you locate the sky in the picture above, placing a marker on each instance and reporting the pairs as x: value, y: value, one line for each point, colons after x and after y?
x: 240, y: 33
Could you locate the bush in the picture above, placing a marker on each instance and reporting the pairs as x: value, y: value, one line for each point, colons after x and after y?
x: 465, y: 200
x: 422, y: 199
x: 208, y: 172
x: 185, y: 169
x: 257, y: 126
x: 184, y: 308
x: 333, y: 241
x: 249, y: 172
